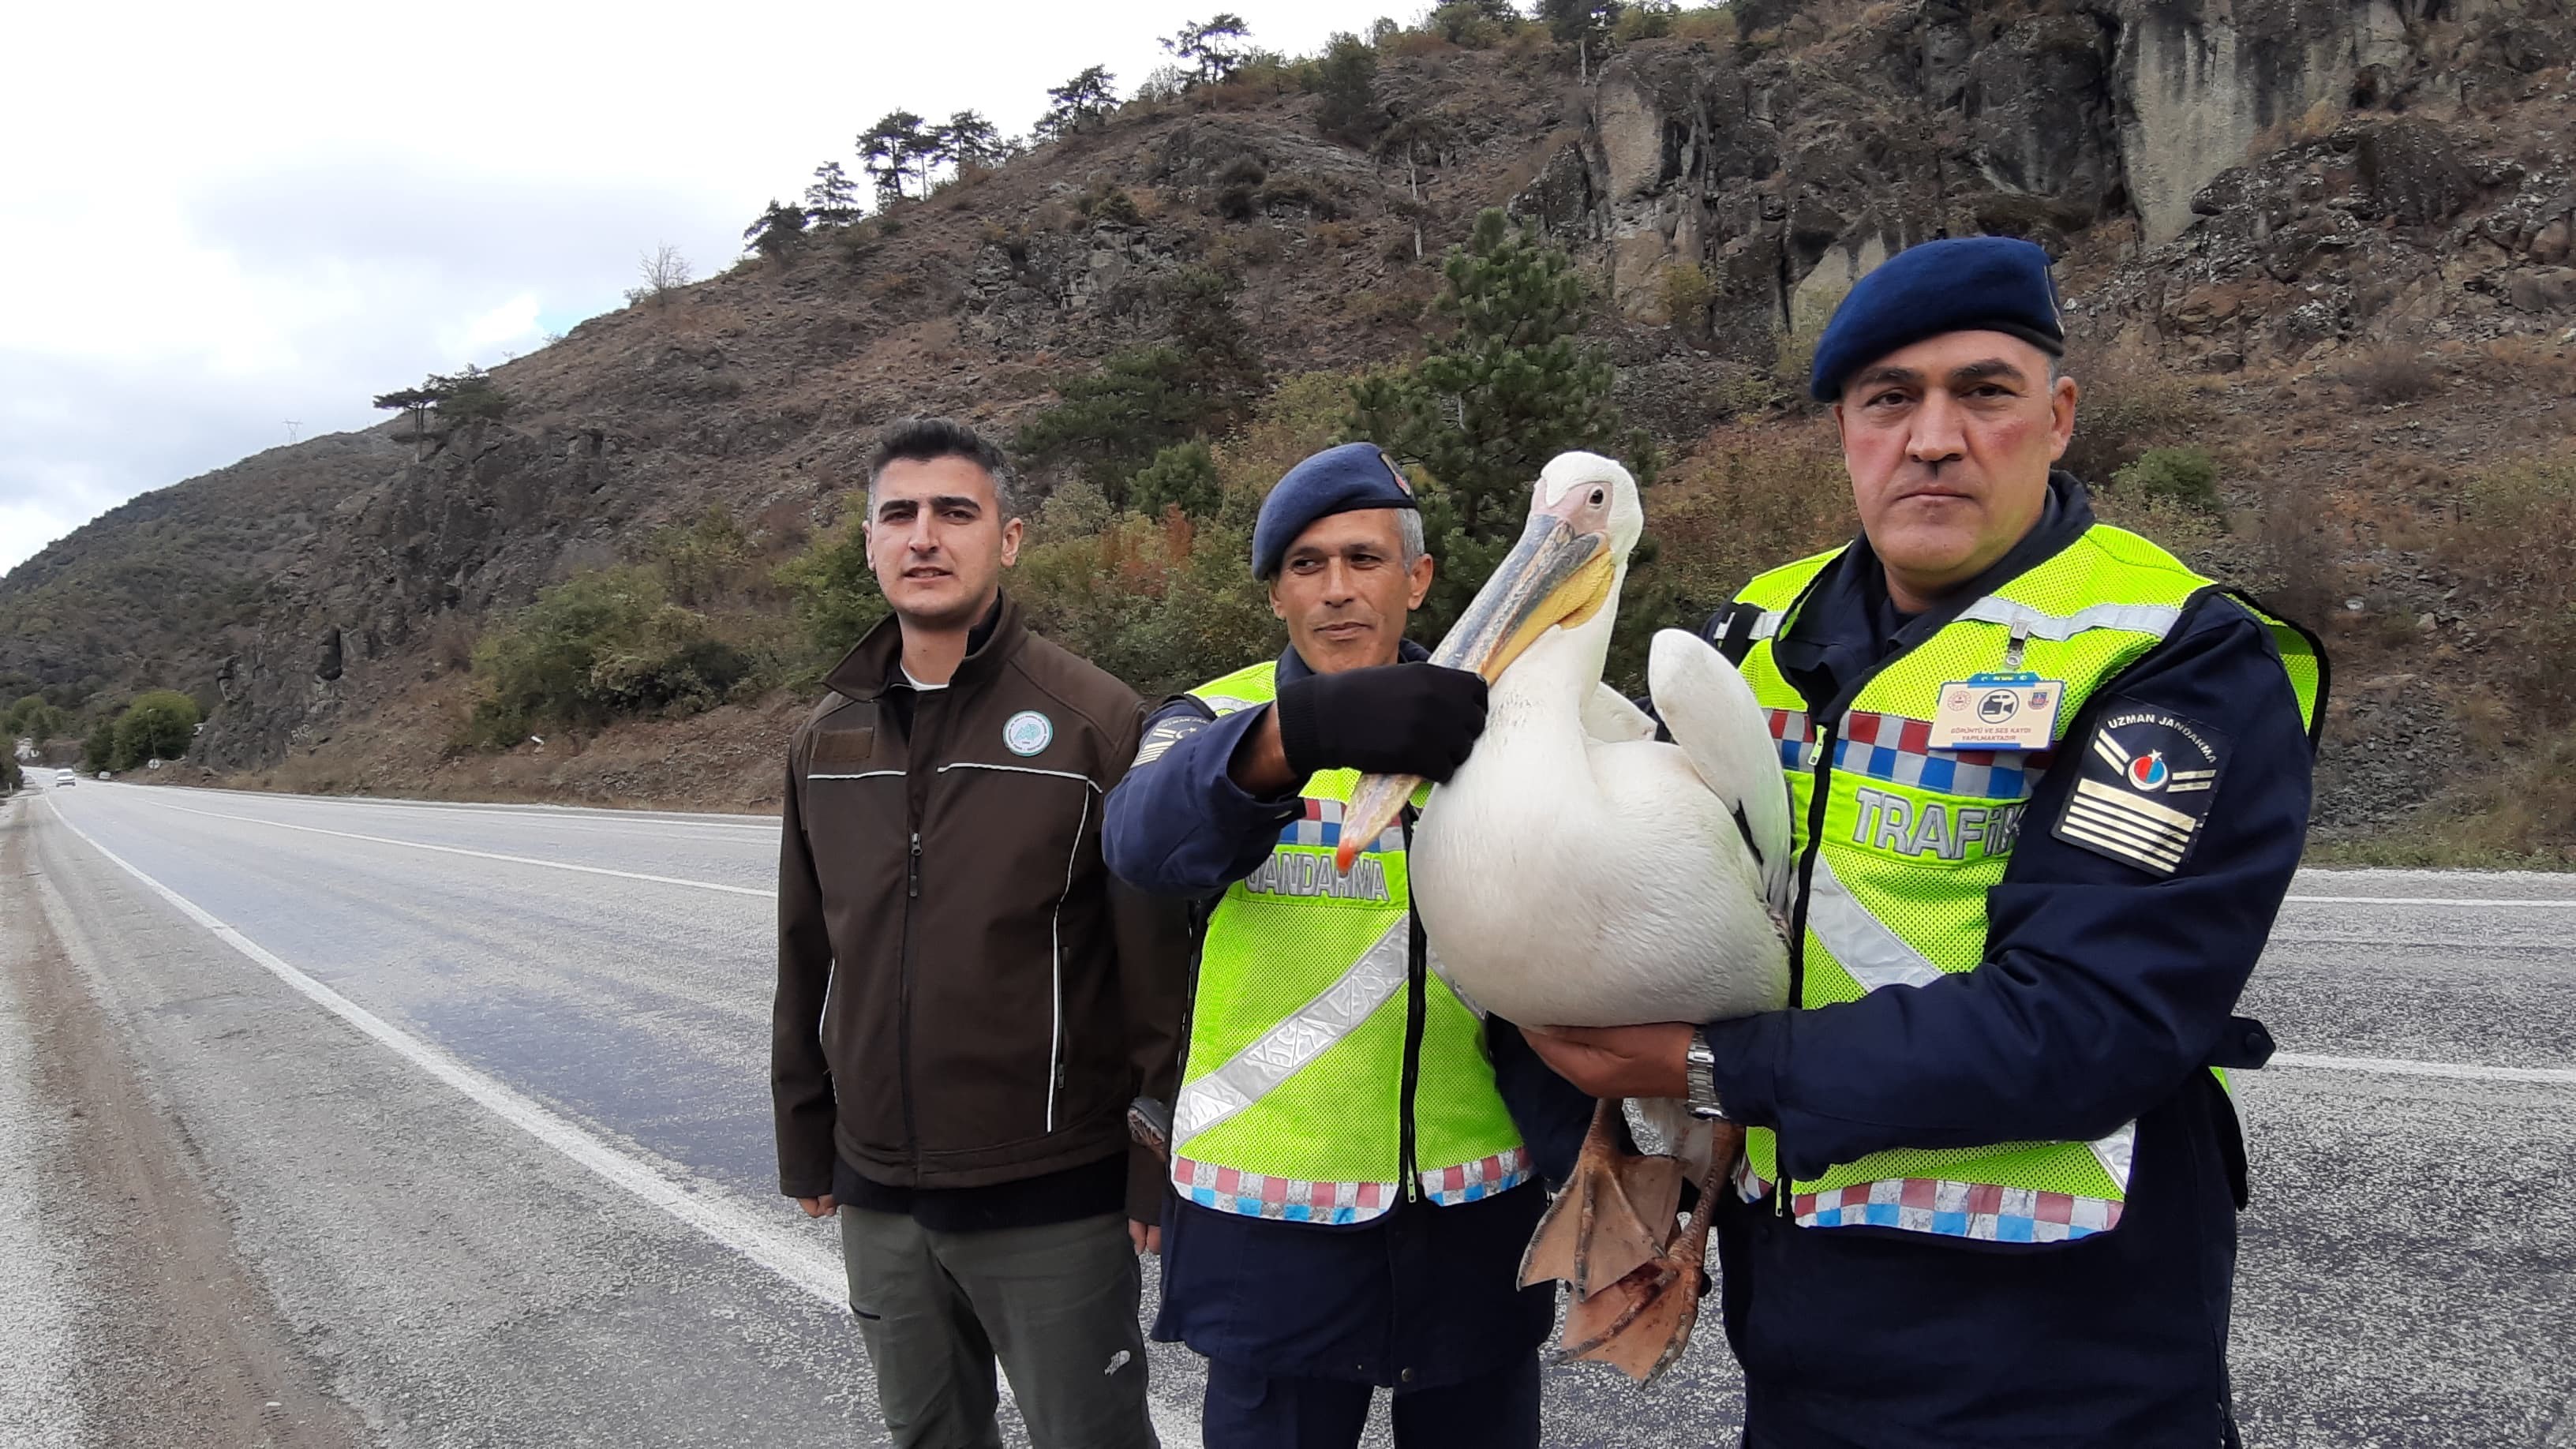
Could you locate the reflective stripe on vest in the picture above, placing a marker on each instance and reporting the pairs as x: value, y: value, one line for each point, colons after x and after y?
x: 1909, y: 839
x: 1292, y: 1097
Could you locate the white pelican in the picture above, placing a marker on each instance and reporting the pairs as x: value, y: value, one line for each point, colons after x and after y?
x: 1576, y: 872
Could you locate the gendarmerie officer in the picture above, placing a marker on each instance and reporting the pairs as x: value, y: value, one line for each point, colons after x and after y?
x: 2049, y: 788
x: 1353, y: 1150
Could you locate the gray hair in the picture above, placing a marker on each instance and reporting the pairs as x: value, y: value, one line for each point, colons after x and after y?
x: 922, y: 439
x: 1408, y: 531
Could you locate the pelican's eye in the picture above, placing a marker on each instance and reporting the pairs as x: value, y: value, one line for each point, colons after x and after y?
x: 1597, y: 497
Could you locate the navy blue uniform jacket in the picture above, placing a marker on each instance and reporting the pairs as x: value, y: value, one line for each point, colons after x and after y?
x: 1420, y: 1297
x: 2104, y: 991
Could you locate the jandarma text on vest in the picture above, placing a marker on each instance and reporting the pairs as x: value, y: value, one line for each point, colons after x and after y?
x: 1300, y: 873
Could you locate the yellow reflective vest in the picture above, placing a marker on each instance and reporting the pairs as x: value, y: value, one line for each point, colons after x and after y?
x: 1899, y: 843
x: 1313, y: 992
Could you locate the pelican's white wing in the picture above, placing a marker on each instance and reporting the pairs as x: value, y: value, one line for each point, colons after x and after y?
x: 1610, y: 718
x: 1721, y: 728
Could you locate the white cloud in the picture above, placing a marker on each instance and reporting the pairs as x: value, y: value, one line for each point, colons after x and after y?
x: 217, y: 218
x: 514, y: 321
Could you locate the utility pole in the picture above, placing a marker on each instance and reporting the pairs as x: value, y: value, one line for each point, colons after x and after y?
x: 291, y: 426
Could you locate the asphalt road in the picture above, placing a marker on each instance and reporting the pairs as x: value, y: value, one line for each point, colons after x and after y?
x: 352, y: 1122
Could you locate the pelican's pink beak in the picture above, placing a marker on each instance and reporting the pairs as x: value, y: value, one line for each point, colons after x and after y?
x: 1556, y: 575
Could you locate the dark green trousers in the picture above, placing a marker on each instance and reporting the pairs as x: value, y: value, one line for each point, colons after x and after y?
x: 1056, y: 1305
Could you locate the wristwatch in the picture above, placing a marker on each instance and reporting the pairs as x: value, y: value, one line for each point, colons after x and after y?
x: 1701, y: 1074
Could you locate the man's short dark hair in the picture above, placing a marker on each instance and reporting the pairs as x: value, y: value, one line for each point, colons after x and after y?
x: 922, y: 440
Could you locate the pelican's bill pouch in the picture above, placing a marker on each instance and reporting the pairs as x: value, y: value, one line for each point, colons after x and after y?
x: 1997, y: 712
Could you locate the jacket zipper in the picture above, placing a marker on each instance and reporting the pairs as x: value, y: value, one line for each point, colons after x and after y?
x: 1416, y: 1012
x: 915, y: 783
x: 903, y: 1000
x: 1817, y: 799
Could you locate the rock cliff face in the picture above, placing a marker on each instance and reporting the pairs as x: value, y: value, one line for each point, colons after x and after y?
x: 2229, y: 184
x: 2165, y: 140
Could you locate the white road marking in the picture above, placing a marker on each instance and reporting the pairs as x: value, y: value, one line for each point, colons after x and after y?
x: 556, y: 814
x: 2568, y: 903
x: 710, y: 1210
x: 2405, y: 1067
x: 773, y: 1246
x: 704, y: 885
x: 557, y: 819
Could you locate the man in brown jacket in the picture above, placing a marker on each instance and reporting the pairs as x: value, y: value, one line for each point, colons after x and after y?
x: 967, y: 1000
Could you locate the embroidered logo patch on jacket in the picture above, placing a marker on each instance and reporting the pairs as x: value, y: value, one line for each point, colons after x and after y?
x: 2144, y: 789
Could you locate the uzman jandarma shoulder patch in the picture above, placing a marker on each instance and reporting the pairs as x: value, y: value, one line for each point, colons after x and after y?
x: 2143, y: 789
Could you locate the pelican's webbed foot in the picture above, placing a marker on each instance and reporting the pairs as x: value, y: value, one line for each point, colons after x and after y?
x: 1640, y: 1320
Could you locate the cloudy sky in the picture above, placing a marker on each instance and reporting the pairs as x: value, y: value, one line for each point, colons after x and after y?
x: 215, y: 220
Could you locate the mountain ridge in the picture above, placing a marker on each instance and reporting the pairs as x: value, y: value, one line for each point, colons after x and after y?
x: 2257, y: 199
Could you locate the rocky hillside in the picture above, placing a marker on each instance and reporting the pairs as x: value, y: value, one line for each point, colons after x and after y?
x: 2338, y: 230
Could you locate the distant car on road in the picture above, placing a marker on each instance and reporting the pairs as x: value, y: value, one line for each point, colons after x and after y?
x: 66, y: 777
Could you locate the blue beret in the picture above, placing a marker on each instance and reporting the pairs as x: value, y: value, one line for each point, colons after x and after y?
x: 1337, y: 480
x: 1964, y: 284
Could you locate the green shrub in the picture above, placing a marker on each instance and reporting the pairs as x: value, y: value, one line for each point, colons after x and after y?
x: 2124, y: 409
x: 1182, y: 476
x: 159, y: 725
x: 700, y: 561
x: 2390, y: 375
x: 1686, y: 291
x: 2187, y: 476
x: 1162, y: 603
x: 34, y: 717
x: 98, y: 750
x: 1745, y: 500
x: 2516, y: 542
x: 1645, y: 20
x: 599, y: 646
x: 833, y: 591
x: 1474, y: 24
x: 1793, y: 361
x: 1108, y: 201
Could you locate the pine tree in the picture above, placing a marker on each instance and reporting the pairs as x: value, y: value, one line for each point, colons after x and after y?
x: 832, y: 200
x: 896, y: 149
x: 415, y: 403
x: 469, y: 396
x: 1346, y: 85
x: 1201, y: 384
x: 1226, y: 370
x: 1080, y: 104
x: 777, y: 231
x: 1492, y: 401
x: 98, y: 751
x: 1584, y: 24
x: 1215, y: 48
x: 970, y: 141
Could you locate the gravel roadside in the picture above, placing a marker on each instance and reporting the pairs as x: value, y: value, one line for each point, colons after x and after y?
x: 146, y: 1314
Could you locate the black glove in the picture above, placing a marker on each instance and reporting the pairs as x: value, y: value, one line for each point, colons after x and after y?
x: 1397, y: 719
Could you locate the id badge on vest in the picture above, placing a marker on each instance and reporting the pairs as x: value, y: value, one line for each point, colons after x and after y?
x: 1997, y: 712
